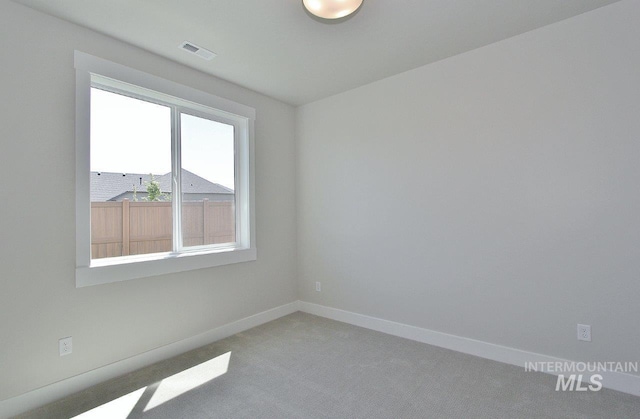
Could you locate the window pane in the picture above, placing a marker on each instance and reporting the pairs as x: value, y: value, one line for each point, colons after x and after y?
x: 208, y: 182
x: 130, y: 176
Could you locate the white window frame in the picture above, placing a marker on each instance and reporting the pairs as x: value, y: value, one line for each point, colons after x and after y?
x: 114, y: 77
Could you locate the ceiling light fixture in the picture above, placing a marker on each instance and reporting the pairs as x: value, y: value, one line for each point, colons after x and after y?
x: 331, y: 9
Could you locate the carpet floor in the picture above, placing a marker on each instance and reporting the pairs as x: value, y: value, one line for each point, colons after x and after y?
x: 304, y: 366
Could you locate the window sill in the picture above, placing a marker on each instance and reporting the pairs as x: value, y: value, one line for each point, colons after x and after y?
x: 104, y: 271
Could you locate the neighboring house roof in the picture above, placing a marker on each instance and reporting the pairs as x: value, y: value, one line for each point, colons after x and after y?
x: 106, y: 186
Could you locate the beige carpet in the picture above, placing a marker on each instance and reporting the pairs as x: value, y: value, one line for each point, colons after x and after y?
x: 303, y: 366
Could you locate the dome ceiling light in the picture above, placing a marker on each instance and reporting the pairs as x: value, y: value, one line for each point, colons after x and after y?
x: 331, y: 9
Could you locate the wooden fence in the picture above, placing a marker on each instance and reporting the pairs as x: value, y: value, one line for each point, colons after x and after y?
x: 135, y: 228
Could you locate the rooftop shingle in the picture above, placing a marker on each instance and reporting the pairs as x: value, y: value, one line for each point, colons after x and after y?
x: 108, y: 185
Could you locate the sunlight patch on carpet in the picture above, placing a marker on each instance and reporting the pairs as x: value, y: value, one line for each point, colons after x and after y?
x: 154, y: 395
x: 187, y: 380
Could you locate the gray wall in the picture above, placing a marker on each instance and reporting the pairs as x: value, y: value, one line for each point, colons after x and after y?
x: 493, y: 195
x: 38, y: 300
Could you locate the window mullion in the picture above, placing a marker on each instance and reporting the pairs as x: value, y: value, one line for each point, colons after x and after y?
x: 176, y: 195
x: 239, y: 187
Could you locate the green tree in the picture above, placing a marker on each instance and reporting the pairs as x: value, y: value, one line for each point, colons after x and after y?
x: 154, y: 193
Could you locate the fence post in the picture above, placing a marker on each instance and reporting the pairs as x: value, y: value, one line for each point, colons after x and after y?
x: 205, y: 221
x: 125, y: 227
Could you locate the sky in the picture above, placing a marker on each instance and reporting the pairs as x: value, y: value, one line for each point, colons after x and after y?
x: 133, y: 136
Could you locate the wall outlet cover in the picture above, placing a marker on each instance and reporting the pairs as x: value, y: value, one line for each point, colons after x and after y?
x: 65, y: 345
x: 584, y: 332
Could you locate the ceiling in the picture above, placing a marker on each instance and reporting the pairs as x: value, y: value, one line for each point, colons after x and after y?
x: 276, y: 48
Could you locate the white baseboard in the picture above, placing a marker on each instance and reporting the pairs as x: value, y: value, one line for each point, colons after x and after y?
x: 623, y: 382
x: 626, y: 383
x: 60, y: 389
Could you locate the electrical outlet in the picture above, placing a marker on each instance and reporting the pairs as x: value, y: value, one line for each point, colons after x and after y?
x: 318, y: 286
x: 584, y: 332
x: 65, y: 346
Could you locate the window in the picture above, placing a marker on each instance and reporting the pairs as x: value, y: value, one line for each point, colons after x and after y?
x: 164, y: 176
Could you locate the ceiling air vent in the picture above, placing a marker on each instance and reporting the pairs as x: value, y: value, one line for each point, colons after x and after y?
x: 199, y: 51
